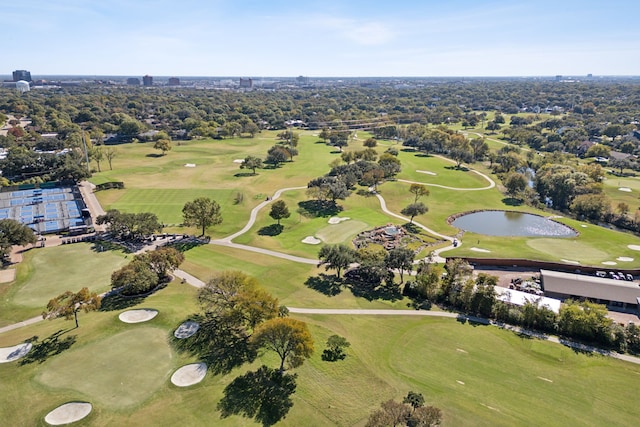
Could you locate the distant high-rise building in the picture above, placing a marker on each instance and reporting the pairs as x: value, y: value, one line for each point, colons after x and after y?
x: 22, y: 75
x: 174, y: 81
x: 246, y: 83
x: 302, y: 80
x: 147, y: 80
x: 133, y: 81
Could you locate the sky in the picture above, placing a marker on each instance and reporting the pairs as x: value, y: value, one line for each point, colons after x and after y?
x: 323, y: 38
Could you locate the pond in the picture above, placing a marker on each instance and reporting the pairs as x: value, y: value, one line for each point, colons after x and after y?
x: 509, y: 223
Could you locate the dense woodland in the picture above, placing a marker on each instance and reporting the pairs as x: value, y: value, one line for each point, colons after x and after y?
x: 547, y: 125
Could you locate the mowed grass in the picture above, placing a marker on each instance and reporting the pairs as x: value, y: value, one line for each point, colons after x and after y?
x: 283, y: 279
x: 123, y: 370
x: 48, y: 272
x: 446, y: 173
x: 478, y: 375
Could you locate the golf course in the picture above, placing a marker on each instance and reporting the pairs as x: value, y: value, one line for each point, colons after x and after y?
x: 477, y: 375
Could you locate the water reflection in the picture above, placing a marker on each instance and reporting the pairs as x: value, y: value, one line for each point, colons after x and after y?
x: 509, y: 223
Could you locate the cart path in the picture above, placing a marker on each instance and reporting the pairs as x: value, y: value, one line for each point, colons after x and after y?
x: 550, y: 338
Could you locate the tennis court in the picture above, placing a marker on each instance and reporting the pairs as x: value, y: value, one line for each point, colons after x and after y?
x: 45, y: 210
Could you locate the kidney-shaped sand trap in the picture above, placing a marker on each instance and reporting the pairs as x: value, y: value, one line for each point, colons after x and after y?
x: 9, y: 354
x: 138, y: 316
x: 337, y: 220
x: 186, y: 329
x: 68, y: 413
x: 189, y: 374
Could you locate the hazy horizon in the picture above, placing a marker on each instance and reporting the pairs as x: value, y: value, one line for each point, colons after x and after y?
x: 328, y: 38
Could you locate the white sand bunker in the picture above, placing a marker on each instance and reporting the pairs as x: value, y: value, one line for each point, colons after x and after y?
x: 583, y: 225
x: 186, y: 329
x: 310, y: 240
x: 337, y: 220
x: 427, y: 172
x: 68, y: 413
x: 634, y: 247
x: 609, y: 263
x: 9, y: 354
x: 138, y: 316
x: 624, y: 259
x: 189, y: 374
x: 479, y: 250
x: 238, y: 161
x: 189, y: 165
x: 625, y: 189
x: 568, y: 261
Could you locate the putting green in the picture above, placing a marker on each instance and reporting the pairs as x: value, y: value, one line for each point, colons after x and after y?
x: 571, y: 248
x: 66, y: 268
x: 338, y: 233
x: 118, y: 372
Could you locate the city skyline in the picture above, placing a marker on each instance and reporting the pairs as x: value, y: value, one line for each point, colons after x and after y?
x: 323, y: 39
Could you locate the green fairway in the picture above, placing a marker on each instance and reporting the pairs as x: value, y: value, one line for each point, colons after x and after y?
x: 47, y: 272
x: 123, y: 370
x: 478, y: 375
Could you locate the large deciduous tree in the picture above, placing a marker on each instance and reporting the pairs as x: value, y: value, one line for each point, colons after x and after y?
x: 68, y: 304
x: 288, y: 337
x: 418, y: 191
x: 400, y: 259
x: 202, y: 212
x: 337, y: 257
x: 162, y: 261
x: 279, y: 210
x: 12, y: 233
x: 251, y: 162
x: 414, y: 209
x: 135, y: 278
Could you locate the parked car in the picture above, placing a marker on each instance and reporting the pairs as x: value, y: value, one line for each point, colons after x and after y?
x: 629, y: 277
x: 601, y: 273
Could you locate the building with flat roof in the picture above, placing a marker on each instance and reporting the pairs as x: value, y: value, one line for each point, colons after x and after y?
x: 147, y: 80
x: 22, y: 75
x: 174, y: 81
x: 616, y: 293
x: 133, y: 81
x: 246, y: 83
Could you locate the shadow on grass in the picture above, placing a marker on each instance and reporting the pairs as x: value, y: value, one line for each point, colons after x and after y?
x: 328, y: 285
x: 371, y: 292
x: 264, y: 395
x: 244, y: 174
x: 48, y: 347
x: 187, y: 244
x: 271, y: 230
x: 220, y: 343
x: 105, y: 245
x: 372, y: 285
x: 319, y: 208
x: 422, y: 154
x: 365, y: 193
x: 115, y: 301
x: 154, y: 155
x: 512, y: 201
x: 458, y: 168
